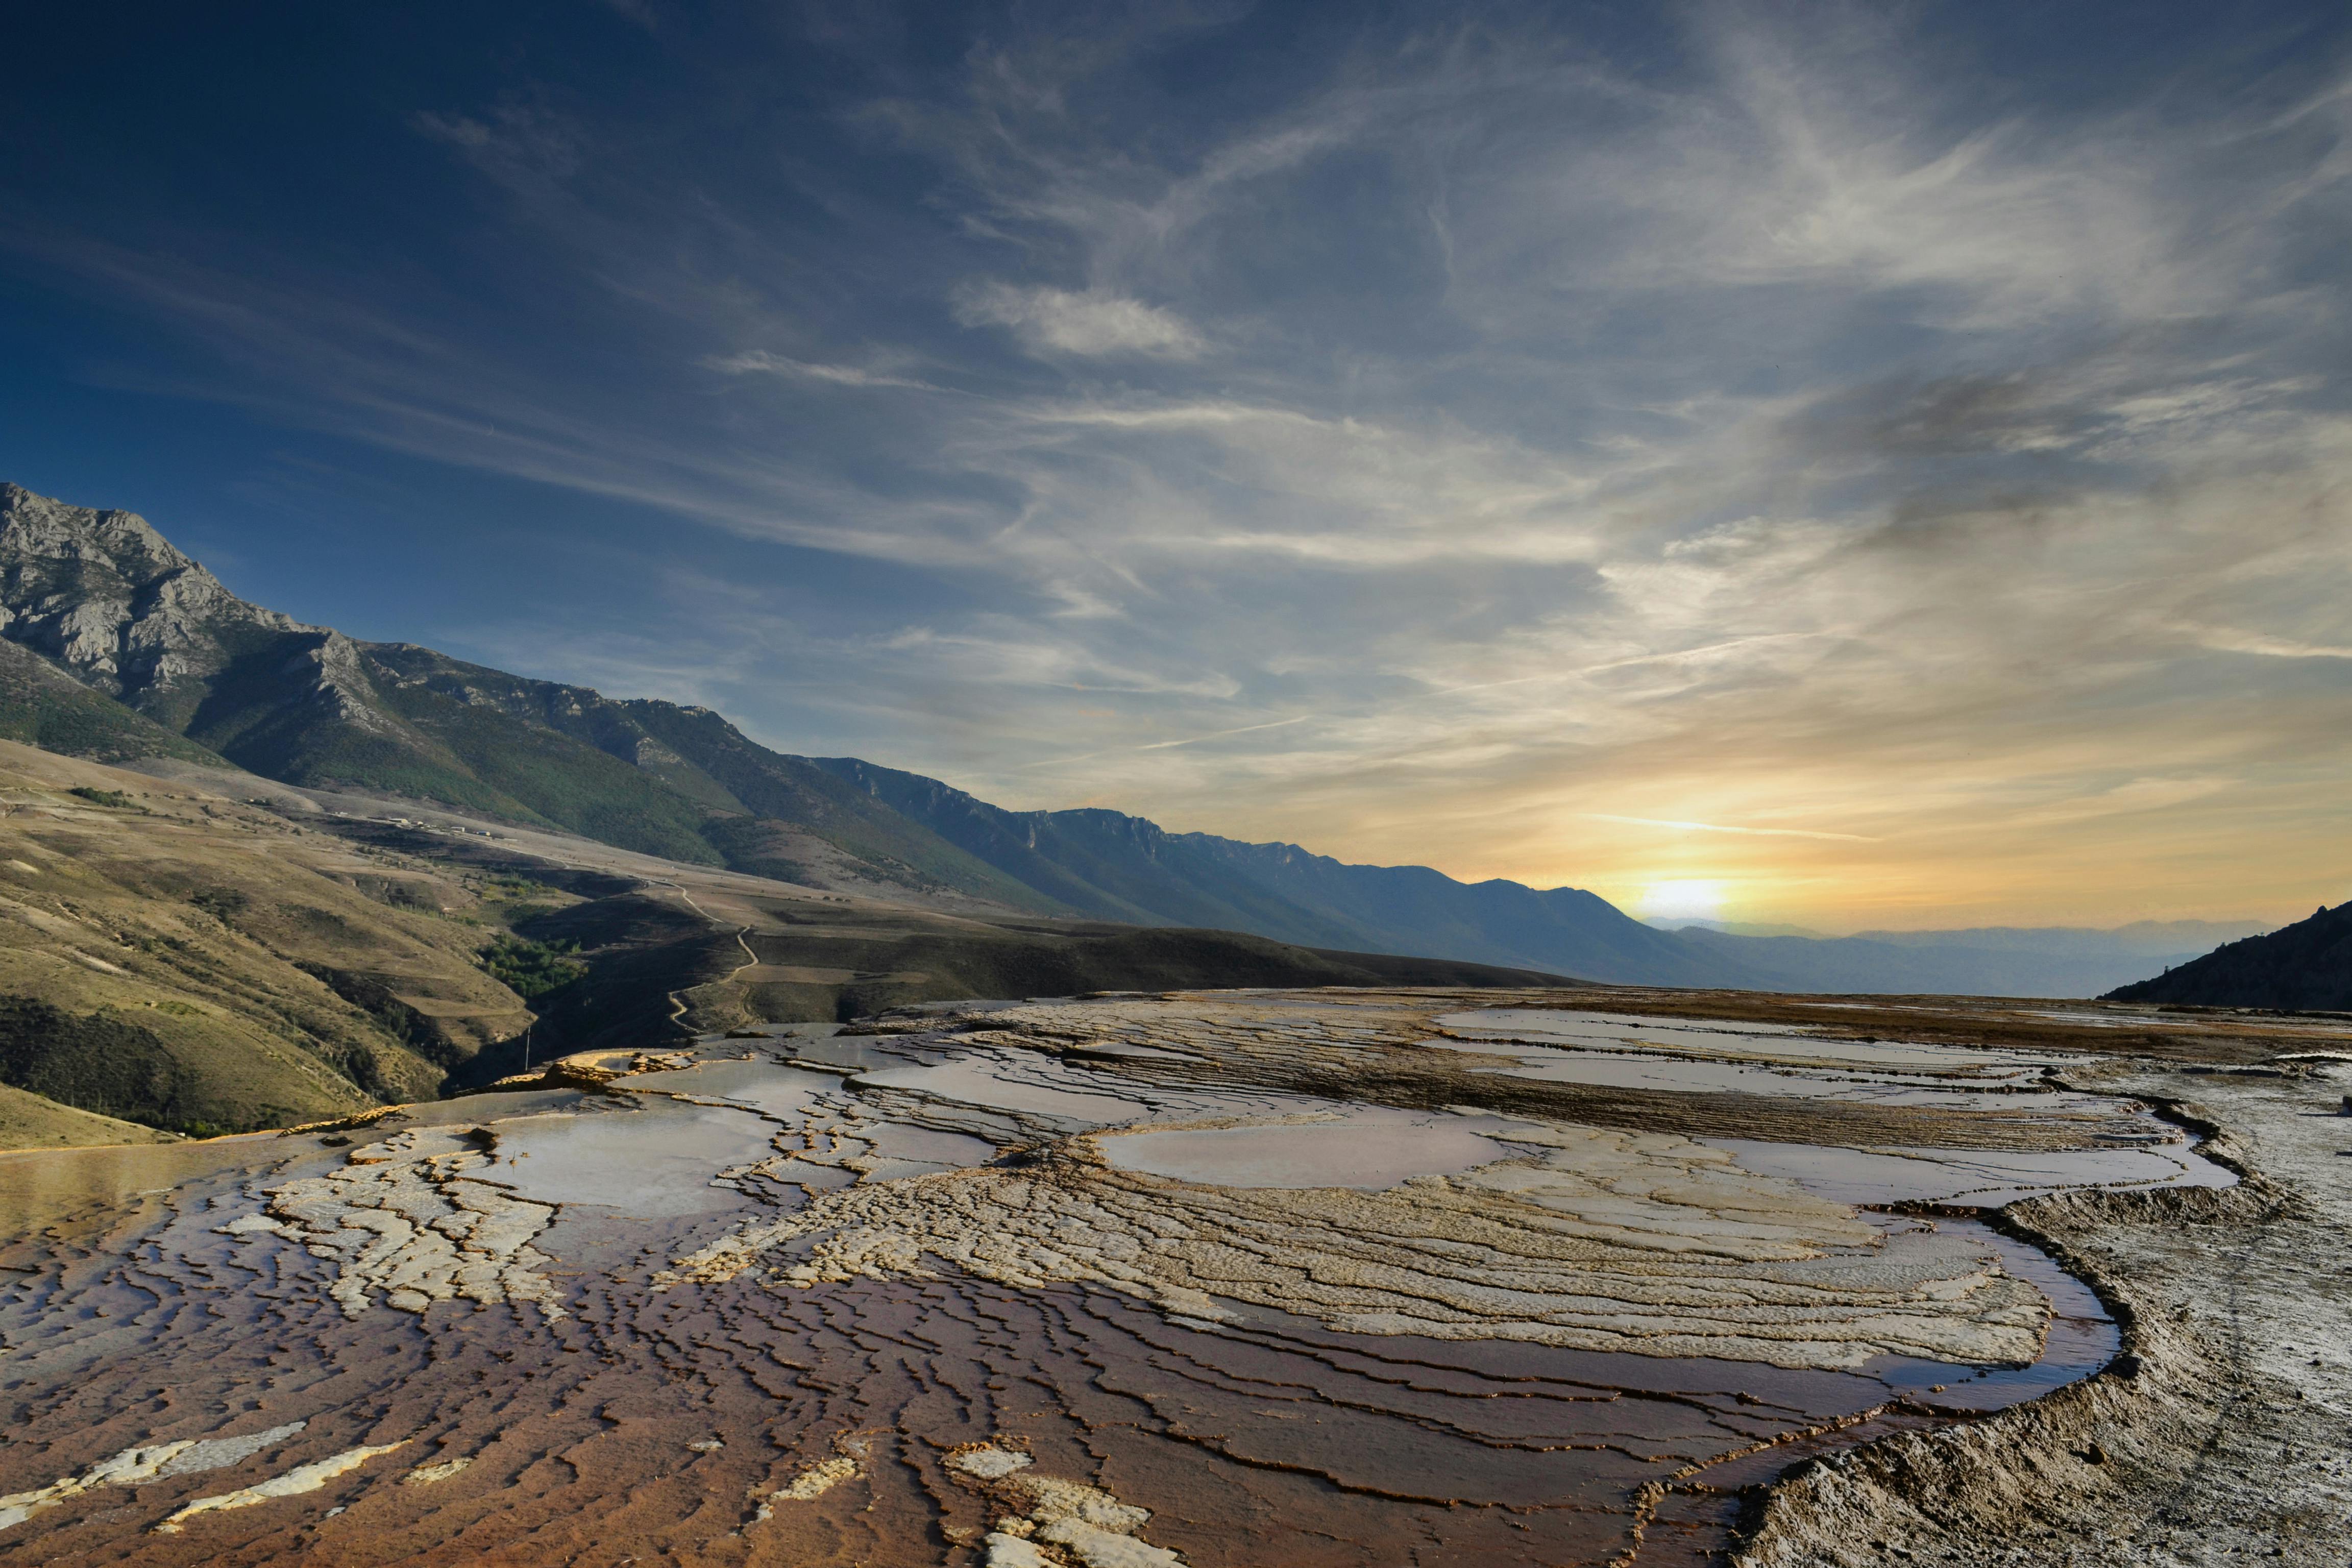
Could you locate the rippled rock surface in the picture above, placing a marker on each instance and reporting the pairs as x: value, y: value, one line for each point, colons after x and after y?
x: 1215, y: 1278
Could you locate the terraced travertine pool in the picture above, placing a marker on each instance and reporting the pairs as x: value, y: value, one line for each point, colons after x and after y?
x: 1218, y: 1279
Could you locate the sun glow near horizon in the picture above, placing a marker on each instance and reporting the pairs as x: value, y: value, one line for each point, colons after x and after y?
x: 1683, y: 898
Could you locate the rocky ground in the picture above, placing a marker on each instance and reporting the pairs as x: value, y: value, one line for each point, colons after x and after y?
x: 2225, y: 1434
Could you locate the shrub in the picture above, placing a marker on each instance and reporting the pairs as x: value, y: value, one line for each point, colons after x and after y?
x: 219, y: 903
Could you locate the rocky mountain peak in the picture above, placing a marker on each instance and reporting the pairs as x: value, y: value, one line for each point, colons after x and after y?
x: 104, y: 595
x: 35, y: 531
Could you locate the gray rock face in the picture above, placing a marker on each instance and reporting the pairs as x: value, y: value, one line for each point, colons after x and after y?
x: 337, y: 676
x: 107, y: 596
x: 116, y: 605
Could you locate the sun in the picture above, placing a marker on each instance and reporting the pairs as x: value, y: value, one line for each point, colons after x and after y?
x: 1683, y: 898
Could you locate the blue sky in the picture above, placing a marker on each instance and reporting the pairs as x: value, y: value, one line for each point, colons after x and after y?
x: 1856, y: 465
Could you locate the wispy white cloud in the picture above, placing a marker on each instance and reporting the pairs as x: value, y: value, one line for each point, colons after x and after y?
x: 759, y: 362
x: 1092, y: 323
x: 1721, y: 827
x: 1221, y: 735
x: 1759, y: 430
x: 2221, y: 639
x: 524, y: 148
x: 2139, y: 795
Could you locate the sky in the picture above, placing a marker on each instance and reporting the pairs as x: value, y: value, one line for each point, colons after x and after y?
x: 1854, y: 465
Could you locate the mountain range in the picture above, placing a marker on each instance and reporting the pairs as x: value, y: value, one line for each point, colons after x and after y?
x: 117, y: 647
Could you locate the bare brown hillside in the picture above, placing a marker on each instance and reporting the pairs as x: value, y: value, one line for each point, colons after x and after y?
x: 172, y: 957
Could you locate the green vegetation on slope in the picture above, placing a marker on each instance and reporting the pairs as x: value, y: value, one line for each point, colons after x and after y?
x: 554, y: 778
x: 532, y: 968
x: 264, y: 713
x: 224, y: 904
x: 95, y: 1061
x: 43, y: 706
x: 29, y: 1120
x: 797, y: 793
x: 682, y: 783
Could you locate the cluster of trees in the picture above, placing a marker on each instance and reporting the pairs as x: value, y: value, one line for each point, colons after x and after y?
x: 532, y: 968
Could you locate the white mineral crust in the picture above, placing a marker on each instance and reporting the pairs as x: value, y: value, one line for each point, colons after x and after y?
x: 403, y: 1219
x: 1605, y: 1240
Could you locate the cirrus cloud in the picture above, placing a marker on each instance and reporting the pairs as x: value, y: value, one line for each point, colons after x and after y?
x: 1092, y: 323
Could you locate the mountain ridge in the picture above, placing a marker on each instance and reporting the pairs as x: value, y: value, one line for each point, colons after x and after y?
x: 107, y: 599
x: 1285, y: 891
x: 115, y: 642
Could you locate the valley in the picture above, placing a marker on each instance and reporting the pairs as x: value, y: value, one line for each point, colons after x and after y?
x: 218, y: 952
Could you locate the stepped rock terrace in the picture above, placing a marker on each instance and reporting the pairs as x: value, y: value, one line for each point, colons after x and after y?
x: 1213, y: 1277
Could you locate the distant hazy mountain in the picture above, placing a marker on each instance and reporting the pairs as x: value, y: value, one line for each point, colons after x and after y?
x: 2305, y: 967
x: 1984, y: 960
x: 1733, y: 928
x: 2073, y: 962
x: 119, y: 646
x: 2143, y: 938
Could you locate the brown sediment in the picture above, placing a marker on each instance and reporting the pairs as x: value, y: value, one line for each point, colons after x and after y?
x: 666, y: 1420
x: 563, y: 1073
